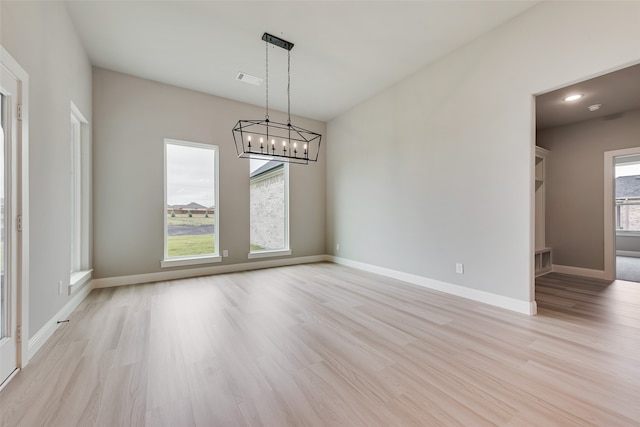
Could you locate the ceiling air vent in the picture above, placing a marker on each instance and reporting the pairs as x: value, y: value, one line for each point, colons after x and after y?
x: 247, y: 78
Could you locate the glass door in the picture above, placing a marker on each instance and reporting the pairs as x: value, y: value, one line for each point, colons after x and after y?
x: 8, y: 194
x: 3, y: 288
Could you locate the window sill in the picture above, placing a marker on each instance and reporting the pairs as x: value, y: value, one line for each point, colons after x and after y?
x: 77, y: 279
x: 269, y: 254
x: 194, y: 260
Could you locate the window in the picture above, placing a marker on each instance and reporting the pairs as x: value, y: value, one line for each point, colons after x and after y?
x: 269, y: 208
x: 79, y: 199
x: 191, y: 203
x: 627, y: 196
x: 628, y: 214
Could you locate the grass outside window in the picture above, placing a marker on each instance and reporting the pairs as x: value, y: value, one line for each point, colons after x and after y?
x: 190, y: 235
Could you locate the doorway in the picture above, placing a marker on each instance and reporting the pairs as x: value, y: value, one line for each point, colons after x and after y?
x: 578, y: 124
x: 623, y: 226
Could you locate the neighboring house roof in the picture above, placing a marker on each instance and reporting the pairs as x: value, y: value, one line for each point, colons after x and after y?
x: 267, y: 167
x: 628, y: 186
x: 192, y: 205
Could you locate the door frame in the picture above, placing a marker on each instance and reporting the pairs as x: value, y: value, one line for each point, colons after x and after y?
x: 22, y: 208
x: 609, y: 208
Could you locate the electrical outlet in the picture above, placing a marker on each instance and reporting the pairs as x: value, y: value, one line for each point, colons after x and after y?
x: 459, y: 268
x: 225, y: 252
x: 337, y: 246
x: 59, y: 287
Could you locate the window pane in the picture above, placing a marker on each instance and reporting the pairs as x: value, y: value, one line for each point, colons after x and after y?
x: 268, y: 205
x: 628, y: 217
x: 191, y: 209
x: 76, y: 202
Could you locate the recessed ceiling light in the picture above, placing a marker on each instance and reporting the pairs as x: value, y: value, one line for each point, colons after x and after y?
x: 572, y: 97
x: 594, y: 107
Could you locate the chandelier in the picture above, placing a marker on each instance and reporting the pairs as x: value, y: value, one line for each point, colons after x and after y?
x: 269, y: 140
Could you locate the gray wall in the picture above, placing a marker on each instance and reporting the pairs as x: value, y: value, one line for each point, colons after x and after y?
x: 628, y: 243
x: 132, y: 116
x: 575, y: 185
x: 40, y: 36
x: 438, y: 168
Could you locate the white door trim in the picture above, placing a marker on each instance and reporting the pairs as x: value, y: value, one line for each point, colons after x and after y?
x: 609, y: 209
x: 23, y: 203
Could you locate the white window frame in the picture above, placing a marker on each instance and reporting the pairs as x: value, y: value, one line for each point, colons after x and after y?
x: 80, y: 196
x: 286, y: 250
x: 193, y: 259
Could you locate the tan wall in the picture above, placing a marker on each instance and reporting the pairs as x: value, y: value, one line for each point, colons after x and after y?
x: 42, y: 39
x: 132, y: 117
x: 575, y: 185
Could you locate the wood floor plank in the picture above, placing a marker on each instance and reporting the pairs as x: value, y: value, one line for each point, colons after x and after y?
x: 327, y: 345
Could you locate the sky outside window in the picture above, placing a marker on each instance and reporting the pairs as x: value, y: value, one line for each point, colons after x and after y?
x: 629, y: 169
x: 190, y: 175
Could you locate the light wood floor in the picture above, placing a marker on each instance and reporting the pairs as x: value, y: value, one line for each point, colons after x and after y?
x: 325, y: 345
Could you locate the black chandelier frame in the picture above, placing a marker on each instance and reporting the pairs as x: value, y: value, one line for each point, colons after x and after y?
x: 269, y: 140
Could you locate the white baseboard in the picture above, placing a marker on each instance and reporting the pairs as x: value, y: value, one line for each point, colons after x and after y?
x: 525, y: 307
x: 39, y: 338
x: 135, y: 279
x: 634, y: 254
x: 579, y: 271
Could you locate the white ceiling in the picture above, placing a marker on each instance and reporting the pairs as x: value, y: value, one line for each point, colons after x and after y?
x: 345, y: 51
x: 618, y: 92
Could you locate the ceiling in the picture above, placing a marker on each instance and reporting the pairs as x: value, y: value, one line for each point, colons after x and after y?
x: 618, y: 92
x: 345, y: 51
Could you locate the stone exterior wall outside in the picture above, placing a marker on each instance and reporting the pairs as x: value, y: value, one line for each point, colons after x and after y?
x: 629, y: 217
x: 267, y: 211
